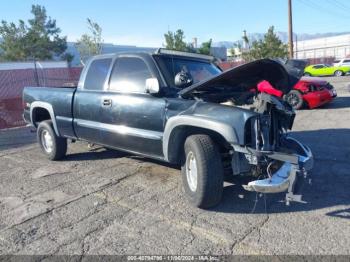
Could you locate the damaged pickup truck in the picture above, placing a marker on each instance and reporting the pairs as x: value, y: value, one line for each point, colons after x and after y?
x: 180, y: 108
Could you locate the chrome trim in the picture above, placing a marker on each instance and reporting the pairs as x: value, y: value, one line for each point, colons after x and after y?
x: 191, y: 171
x: 120, y: 129
x: 47, y: 141
x: 64, y: 118
x: 285, y: 177
x: 279, y: 182
x: 307, y: 160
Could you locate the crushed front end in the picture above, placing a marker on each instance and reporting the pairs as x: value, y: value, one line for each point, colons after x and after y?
x: 265, y: 150
x: 270, y: 154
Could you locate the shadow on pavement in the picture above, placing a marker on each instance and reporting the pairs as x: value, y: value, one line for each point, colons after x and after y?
x: 330, y: 176
x: 338, y: 102
x: 342, y: 213
x: 329, y: 185
x: 96, y: 154
x: 330, y: 180
x: 105, y: 153
x: 16, y: 137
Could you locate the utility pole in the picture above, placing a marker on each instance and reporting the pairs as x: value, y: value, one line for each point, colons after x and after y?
x: 36, y: 76
x: 296, y: 46
x: 290, y: 29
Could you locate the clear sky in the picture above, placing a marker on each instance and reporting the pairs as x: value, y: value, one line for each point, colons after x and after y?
x: 143, y: 22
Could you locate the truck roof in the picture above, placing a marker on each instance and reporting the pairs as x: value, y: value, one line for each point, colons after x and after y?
x: 159, y: 52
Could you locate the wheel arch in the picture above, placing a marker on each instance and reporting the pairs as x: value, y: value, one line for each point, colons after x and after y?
x: 339, y: 70
x: 179, y: 128
x: 40, y: 111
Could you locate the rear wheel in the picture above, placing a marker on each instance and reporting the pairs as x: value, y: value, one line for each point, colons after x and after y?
x: 202, y: 171
x: 338, y: 73
x: 54, y: 147
x: 295, y: 99
x: 307, y: 74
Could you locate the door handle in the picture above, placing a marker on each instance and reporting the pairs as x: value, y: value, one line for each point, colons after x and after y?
x: 107, y: 102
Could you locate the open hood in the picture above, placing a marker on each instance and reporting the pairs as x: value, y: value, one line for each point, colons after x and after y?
x: 281, y: 76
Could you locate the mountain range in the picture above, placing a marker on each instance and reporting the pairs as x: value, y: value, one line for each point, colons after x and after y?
x: 282, y: 35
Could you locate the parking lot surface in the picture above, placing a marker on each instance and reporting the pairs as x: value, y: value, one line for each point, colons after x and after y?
x: 99, y: 201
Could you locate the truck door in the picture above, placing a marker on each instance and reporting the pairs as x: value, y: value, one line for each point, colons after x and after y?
x: 88, y: 100
x: 131, y: 118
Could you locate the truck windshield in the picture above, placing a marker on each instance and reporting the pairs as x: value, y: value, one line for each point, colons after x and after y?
x: 199, y: 69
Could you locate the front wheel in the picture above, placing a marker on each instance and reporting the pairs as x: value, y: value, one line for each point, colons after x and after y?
x: 295, y: 99
x: 338, y: 73
x: 54, y: 147
x: 202, y: 171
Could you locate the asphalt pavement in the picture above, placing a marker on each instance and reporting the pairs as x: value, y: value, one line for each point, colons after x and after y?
x: 99, y: 201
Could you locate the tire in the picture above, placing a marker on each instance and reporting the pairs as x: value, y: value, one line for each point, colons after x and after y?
x: 338, y: 73
x: 295, y: 99
x: 206, y: 191
x: 307, y: 74
x: 53, y: 147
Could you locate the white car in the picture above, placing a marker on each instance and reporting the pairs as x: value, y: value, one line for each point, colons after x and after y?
x: 342, y: 62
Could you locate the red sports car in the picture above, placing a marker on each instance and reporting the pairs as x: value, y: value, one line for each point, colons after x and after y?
x: 309, y: 92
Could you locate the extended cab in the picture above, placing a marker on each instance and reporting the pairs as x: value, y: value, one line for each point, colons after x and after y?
x: 179, y: 108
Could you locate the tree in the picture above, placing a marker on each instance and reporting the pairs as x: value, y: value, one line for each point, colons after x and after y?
x: 67, y: 57
x: 269, y: 47
x: 90, y: 44
x: 205, y: 48
x: 246, y: 40
x: 236, y: 49
x: 175, y: 41
x: 12, y: 44
x: 39, y: 39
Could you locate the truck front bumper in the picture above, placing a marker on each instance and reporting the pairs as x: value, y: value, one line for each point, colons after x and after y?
x: 299, y: 162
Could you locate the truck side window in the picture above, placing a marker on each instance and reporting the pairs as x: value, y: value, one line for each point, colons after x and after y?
x: 97, y: 73
x: 129, y: 75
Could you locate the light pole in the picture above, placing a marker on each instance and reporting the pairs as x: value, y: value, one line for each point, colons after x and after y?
x: 290, y: 28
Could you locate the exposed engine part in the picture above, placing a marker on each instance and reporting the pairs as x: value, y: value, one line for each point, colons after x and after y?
x: 240, y: 164
x: 268, y: 169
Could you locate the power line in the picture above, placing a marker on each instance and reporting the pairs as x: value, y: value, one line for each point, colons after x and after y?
x: 340, y: 4
x: 323, y: 9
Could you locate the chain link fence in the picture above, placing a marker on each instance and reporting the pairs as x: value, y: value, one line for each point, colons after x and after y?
x: 13, y: 81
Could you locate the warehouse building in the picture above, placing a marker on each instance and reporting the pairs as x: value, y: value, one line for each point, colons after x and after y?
x: 334, y: 46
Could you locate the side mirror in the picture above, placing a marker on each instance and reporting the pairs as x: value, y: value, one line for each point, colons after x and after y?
x: 183, y: 79
x: 152, y: 86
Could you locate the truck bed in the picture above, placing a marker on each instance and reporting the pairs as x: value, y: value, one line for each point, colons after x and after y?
x: 59, y: 99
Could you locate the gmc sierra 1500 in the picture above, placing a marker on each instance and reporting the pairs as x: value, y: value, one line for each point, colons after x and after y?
x: 180, y: 108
